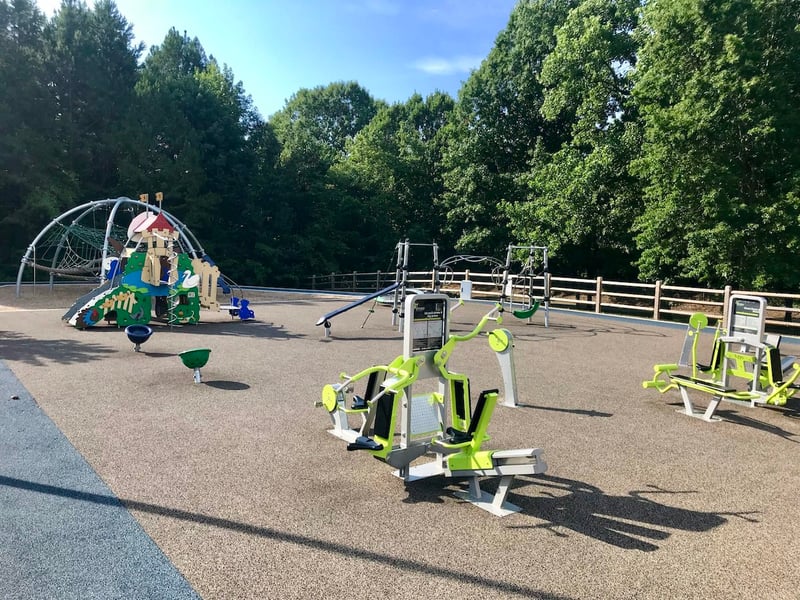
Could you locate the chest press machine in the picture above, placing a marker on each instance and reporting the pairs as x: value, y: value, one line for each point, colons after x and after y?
x: 742, y: 353
x: 407, y: 403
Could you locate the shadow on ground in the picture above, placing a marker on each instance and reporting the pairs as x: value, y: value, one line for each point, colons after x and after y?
x: 507, y: 588
x: 251, y: 329
x: 14, y: 346
x: 630, y: 522
x: 748, y: 421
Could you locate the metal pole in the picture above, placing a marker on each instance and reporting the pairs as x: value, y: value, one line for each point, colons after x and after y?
x: 506, y: 269
x: 398, y: 278
x: 546, y: 270
x: 436, y: 282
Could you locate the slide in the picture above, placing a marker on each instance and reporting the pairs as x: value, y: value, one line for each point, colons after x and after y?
x: 101, y: 293
x: 89, y: 297
x: 127, y: 307
x: 324, y: 319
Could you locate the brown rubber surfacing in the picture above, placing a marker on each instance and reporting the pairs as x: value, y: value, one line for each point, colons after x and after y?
x: 240, y: 486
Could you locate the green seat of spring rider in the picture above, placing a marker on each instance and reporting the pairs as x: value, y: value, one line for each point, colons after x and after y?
x: 195, y: 359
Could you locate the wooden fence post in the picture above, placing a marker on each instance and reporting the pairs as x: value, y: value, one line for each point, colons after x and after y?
x: 378, y: 281
x: 598, y: 296
x: 657, y: 301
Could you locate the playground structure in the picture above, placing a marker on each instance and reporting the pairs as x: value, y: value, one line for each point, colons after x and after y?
x: 399, y: 426
x: 745, y: 367
x: 159, y: 268
x: 533, y: 266
x: 397, y: 289
x: 194, y: 359
x: 533, y: 275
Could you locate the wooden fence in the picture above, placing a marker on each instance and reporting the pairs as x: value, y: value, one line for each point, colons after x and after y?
x: 659, y: 301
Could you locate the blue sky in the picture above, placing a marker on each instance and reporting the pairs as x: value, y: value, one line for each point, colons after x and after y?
x: 393, y: 48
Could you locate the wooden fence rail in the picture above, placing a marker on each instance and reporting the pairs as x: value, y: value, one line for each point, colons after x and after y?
x: 658, y: 301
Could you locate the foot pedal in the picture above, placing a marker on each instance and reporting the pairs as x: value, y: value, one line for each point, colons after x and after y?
x: 364, y: 443
x: 457, y: 436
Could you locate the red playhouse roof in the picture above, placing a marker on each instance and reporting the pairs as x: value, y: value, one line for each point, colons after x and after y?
x: 160, y: 222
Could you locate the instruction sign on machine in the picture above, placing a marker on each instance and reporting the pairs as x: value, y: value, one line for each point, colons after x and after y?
x: 428, y: 329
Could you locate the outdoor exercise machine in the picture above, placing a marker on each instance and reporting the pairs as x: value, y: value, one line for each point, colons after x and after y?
x: 534, y: 266
x: 524, y: 282
x: 397, y: 289
x: 466, y: 285
x: 745, y: 367
x: 408, y: 402
x: 501, y: 341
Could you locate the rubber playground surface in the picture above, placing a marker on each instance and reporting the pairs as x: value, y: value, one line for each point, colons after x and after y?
x: 122, y: 478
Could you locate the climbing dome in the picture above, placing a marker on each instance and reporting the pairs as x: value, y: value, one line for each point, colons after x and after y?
x: 78, y: 244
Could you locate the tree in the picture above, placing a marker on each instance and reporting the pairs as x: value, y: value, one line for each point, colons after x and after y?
x: 397, y: 159
x: 718, y: 85
x: 92, y: 69
x: 582, y: 199
x: 496, y: 126
x: 326, y: 213
x: 196, y: 135
x: 65, y: 86
x: 319, y: 122
x: 30, y: 175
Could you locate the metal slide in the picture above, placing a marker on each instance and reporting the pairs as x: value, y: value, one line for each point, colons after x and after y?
x: 326, y: 318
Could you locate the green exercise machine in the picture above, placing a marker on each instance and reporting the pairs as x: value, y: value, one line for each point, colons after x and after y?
x: 746, y: 365
x: 417, y: 416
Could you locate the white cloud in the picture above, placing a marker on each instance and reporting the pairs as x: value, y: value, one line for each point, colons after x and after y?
x: 447, y: 66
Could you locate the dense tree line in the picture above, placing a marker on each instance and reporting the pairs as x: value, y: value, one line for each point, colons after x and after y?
x: 635, y: 138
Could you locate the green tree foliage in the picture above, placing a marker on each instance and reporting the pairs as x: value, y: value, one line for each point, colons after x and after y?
x: 64, y: 87
x: 660, y: 134
x: 581, y: 199
x: 497, y: 124
x: 318, y: 123
x: 329, y: 222
x: 92, y: 68
x: 718, y: 86
x: 165, y: 148
x: 195, y: 133
x: 397, y: 160
x: 27, y: 158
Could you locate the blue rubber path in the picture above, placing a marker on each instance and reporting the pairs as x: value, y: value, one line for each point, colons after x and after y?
x: 63, y: 533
